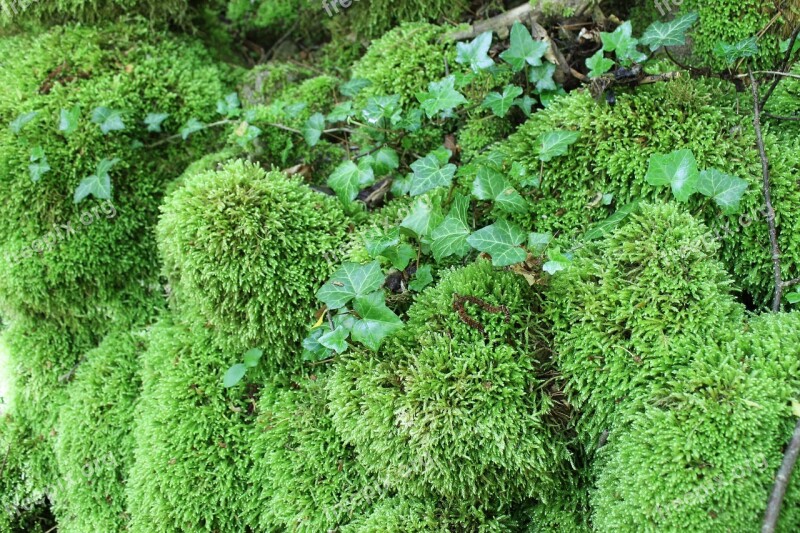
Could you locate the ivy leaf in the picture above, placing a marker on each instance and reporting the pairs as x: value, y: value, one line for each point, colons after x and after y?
x: 18, y: 123
x: 557, y: 261
x: 98, y: 184
x: 726, y: 190
x: 108, y: 119
x: 335, y: 340
x: 598, y: 64
x: 608, y: 225
x: 351, y: 280
x: 502, y: 241
x: 672, y: 33
x: 294, y: 110
x: 312, y: 349
x: 556, y: 143
x: 348, y: 179
x: 475, y: 54
x: 732, y: 52
x: 39, y: 165
x: 400, y: 256
x: 376, y: 320
x: 354, y: 86
x: 784, y: 47
x: 678, y: 169
x: 153, y: 121
x: 192, y: 126
x: 341, y: 112
x: 543, y: 77
x: 538, y: 242
x: 230, y: 106
x: 382, y: 108
x: 450, y: 237
x: 490, y: 184
x: 442, y: 97
x: 385, y: 161
x: 501, y: 103
x: 234, y: 375
x: 423, y: 217
x: 246, y: 133
x: 68, y: 121
x: 793, y: 297
x: 252, y: 357
x: 525, y: 103
x: 622, y: 43
x: 312, y: 131
x: 422, y: 278
x: 430, y: 173
x: 523, y: 49
x: 377, y: 242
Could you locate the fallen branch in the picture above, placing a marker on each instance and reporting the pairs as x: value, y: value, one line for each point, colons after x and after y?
x: 527, y: 12
x: 781, y: 482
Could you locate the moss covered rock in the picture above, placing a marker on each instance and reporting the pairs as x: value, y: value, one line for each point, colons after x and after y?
x: 243, y: 249
x: 64, y: 259
x: 455, y: 405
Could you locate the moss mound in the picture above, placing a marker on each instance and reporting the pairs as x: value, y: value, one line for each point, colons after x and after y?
x: 64, y: 259
x: 450, y: 410
x: 243, y: 248
x: 90, y: 11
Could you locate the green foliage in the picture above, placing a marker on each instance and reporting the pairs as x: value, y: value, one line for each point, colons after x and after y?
x: 480, y: 132
x: 89, y: 251
x: 92, y: 11
x: 626, y: 303
x: 243, y: 249
x: 613, y: 153
x: 94, y: 444
x: 374, y: 20
x: 191, y: 455
x: 444, y: 409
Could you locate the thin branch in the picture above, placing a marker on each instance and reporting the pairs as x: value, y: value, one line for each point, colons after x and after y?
x: 781, y: 482
x: 526, y: 12
x: 791, y: 283
x: 782, y: 117
x: 786, y: 63
x: 177, y: 136
x: 773, y: 232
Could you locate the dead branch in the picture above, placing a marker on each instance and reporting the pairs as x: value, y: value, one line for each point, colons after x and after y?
x: 527, y: 12
x: 781, y: 482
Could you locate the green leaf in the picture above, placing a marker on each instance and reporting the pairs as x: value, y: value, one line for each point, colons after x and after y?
x: 733, y: 52
x: 380, y: 108
x: 622, y: 43
x: 677, y: 169
x: 252, y: 357
x: 450, y: 237
x: 538, y: 242
x: 557, y: 262
x: 108, y: 119
x: 376, y: 320
x: 598, y: 64
x: 312, y: 131
x: 543, y: 77
x: 230, y: 106
x: 39, y: 166
x: 335, y: 340
x: 441, y: 97
x: 192, y: 126
x: 385, y: 161
x: 490, y: 184
x: 68, y: 121
x: 351, y: 280
x: 525, y: 103
x: 400, y: 256
x: 98, y: 184
x: 793, y: 297
x: 18, y: 123
x: 672, y: 33
x: 422, y: 218
x: 502, y: 241
x: 430, y: 173
x: 608, y: 225
x: 246, y: 133
x: 154, y: 121
x: 312, y: 349
x: 726, y: 190
x: 234, y: 375
x: 784, y: 47
x: 348, y: 179
x: 475, y: 54
x: 501, y: 103
x: 294, y: 110
x: 341, y: 112
x: 354, y: 86
x: 376, y: 242
x: 556, y: 143
x: 523, y: 49
x: 422, y: 278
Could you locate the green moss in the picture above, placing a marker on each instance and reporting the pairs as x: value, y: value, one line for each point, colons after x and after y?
x: 479, y: 133
x: 90, y: 11
x: 264, y: 83
x: 94, y: 444
x: 127, y: 67
x: 373, y: 20
x: 785, y: 101
x: 311, y: 478
x: 615, y: 147
x: 443, y: 409
x: 191, y: 458
x: 244, y: 248
x: 623, y: 306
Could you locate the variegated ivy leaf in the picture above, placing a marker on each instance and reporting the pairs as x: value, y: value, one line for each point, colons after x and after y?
x: 423, y: 216
x: 733, y: 52
x: 501, y: 241
x: 153, y: 121
x: 677, y: 169
x: 726, y: 190
x: 450, y: 237
x: 490, y: 184
x: 672, y: 33
x: 192, y: 126
x: 350, y: 281
x: 598, y: 64
x: 557, y: 261
x: 475, y: 54
x: 429, y: 173
x: 442, y: 97
x: 108, y: 119
x: 39, y: 166
x: 68, y: 120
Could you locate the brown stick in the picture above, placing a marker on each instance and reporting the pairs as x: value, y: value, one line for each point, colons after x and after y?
x: 773, y: 231
x: 781, y: 482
